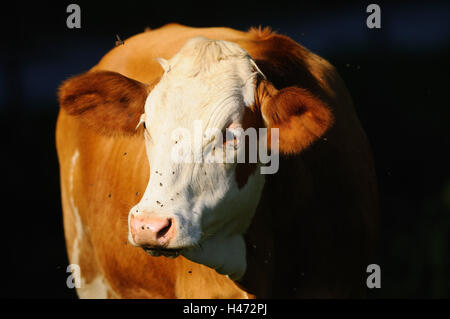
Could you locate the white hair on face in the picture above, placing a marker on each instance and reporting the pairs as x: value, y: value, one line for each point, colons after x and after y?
x: 204, y: 60
x: 201, y: 54
x: 206, y: 85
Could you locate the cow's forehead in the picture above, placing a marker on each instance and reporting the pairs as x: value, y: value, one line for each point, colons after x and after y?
x: 206, y: 80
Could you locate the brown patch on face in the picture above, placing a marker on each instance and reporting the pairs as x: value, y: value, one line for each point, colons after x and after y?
x: 243, y: 171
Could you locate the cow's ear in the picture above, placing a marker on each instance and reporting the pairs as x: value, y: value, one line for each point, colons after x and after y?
x: 300, y: 117
x: 105, y: 101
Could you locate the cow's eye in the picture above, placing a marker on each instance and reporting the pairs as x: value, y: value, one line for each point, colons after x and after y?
x: 145, y: 126
x: 230, y: 139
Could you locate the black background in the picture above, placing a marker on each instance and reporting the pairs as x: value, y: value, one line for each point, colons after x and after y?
x: 397, y: 75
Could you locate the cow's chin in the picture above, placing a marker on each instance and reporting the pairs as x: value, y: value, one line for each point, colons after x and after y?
x: 166, y: 252
x: 170, y: 252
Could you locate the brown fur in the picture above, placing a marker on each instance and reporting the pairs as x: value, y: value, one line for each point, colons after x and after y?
x: 108, y: 102
x: 315, y: 226
x: 300, y: 117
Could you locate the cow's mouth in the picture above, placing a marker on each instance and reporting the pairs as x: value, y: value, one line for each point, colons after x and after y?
x: 158, y: 251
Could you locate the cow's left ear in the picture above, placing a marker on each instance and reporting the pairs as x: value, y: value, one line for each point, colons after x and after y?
x: 300, y: 117
x: 105, y: 101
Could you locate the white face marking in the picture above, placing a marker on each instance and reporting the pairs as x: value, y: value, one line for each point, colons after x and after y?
x: 208, y: 82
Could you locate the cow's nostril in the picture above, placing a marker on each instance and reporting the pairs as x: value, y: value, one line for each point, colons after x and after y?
x: 164, y: 230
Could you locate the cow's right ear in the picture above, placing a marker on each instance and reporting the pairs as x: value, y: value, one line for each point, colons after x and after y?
x: 105, y: 101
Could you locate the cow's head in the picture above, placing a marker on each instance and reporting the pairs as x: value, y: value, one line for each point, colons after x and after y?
x: 198, y: 200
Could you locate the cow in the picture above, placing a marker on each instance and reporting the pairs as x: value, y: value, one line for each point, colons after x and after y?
x: 141, y: 224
